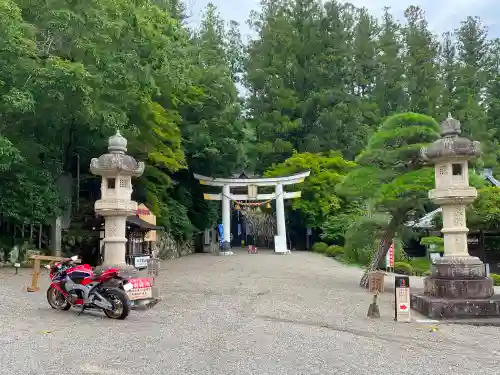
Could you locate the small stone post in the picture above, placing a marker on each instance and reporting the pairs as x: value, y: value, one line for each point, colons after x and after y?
x: 458, y: 286
x: 117, y: 170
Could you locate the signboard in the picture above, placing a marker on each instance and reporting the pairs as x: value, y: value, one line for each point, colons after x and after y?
x: 142, y: 289
x: 140, y: 293
x: 389, y: 257
x: 402, y: 299
x: 142, y: 261
x: 145, y: 214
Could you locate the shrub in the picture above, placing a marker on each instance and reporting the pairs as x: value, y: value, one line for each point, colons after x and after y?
x: 433, y: 244
x: 421, y: 266
x: 334, y: 251
x: 496, y: 278
x: 319, y: 247
x: 361, y: 240
x: 403, y: 268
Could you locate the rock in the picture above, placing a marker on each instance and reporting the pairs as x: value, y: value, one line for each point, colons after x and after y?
x: 167, y: 248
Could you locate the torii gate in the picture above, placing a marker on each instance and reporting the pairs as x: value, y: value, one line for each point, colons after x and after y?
x: 280, y: 245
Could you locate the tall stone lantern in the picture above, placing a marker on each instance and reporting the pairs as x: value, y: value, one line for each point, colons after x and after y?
x: 458, y: 286
x: 117, y: 169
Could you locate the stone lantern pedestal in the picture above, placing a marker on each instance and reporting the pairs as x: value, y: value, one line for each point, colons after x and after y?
x: 117, y: 169
x: 458, y: 286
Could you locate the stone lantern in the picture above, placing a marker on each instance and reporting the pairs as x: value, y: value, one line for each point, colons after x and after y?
x: 458, y: 286
x: 117, y: 170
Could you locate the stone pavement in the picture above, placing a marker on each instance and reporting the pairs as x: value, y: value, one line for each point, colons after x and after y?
x: 244, y: 314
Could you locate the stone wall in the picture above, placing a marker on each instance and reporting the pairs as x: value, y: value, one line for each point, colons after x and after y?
x: 167, y: 248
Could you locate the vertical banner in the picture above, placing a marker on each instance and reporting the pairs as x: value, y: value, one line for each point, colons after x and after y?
x: 221, y: 234
x: 389, y: 257
x: 402, y: 299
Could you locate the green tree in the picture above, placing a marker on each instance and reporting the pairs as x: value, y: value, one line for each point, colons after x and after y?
x: 472, y: 52
x: 484, y: 213
x: 214, y: 130
x: 318, y: 198
x: 389, y: 89
x: 448, y: 75
x: 272, y: 102
x: 81, y: 72
x: 391, y: 175
x: 492, y: 99
x: 420, y: 60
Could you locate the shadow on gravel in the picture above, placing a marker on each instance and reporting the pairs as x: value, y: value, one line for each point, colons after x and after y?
x: 408, y: 341
x: 356, y: 332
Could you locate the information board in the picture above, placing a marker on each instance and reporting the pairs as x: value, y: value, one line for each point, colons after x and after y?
x: 402, y: 299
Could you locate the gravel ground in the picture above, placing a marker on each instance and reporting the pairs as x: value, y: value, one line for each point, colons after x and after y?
x: 244, y: 314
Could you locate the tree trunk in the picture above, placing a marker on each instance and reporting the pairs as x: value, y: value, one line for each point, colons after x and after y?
x: 384, y: 244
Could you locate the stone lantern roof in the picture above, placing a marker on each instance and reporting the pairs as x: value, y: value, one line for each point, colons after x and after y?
x: 116, y: 162
x: 451, y: 146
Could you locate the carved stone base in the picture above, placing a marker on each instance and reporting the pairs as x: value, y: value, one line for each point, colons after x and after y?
x: 451, y: 267
x: 458, y: 277
x: 457, y: 288
x: 440, y: 308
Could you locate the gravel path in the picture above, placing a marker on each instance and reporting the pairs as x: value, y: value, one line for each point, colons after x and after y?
x: 242, y: 314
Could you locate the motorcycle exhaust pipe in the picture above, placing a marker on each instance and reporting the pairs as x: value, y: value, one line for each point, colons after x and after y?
x: 144, y: 304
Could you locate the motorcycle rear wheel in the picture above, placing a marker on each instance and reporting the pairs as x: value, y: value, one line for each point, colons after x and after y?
x: 56, y: 300
x: 120, y: 302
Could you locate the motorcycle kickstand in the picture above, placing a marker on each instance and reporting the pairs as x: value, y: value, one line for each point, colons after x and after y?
x: 82, y: 310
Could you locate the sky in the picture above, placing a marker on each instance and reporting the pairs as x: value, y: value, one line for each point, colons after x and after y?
x: 442, y: 15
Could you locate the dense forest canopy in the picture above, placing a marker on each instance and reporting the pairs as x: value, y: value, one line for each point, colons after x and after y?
x: 325, y: 83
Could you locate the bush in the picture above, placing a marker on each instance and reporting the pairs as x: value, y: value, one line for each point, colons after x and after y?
x: 334, y: 251
x: 403, y: 268
x: 421, y: 266
x: 320, y: 247
x: 496, y: 278
x: 361, y: 240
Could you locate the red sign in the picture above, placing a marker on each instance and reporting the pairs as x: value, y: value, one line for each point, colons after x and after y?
x: 403, y: 307
x: 141, y: 283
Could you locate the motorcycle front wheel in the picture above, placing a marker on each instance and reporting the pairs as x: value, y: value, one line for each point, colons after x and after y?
x: 56, y: 300
x: 121, y: 304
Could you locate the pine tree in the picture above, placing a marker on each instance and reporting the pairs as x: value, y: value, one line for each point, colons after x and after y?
x: 492, y: 99
x: 448, y: 76
x: 389, y: 90
x: 420, y: 61
x: 472, y: 48
x: 364, y: 56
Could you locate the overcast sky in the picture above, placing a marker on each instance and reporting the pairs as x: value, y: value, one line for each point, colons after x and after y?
x: 442, y: 15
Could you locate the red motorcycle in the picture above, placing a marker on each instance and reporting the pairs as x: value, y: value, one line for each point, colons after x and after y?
x: 78, y: 286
